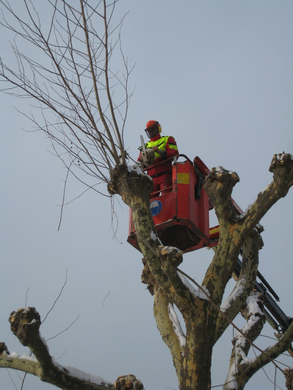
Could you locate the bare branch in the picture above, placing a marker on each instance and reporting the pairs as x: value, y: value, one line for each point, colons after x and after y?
x: 56, y: 300
x: 71, y: 76
x: 244, y: 285
x: 268, y: 355
x: 25, y: 325
x: 170, y: 330
x: 241, y: 346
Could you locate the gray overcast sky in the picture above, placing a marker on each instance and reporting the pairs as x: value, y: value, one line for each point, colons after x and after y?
x: 218, y: 76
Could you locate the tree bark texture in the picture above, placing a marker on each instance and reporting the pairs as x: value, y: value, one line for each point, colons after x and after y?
x: 242, y: 341
x: 289, y: 378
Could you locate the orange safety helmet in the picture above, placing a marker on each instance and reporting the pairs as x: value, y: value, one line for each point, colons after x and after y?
x: 151, y: 124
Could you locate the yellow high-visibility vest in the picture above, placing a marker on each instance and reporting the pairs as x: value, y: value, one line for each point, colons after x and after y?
x: 161, y: 143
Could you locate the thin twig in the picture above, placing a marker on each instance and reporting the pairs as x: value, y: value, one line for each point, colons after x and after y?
x: 105, y: 298
x: 56, y: 300
x: 26, y: 297
x: 63, y: 196
x: 69, y: 326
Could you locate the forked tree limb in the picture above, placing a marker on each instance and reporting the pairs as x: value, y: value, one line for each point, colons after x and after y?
x: 282, y: 168
x: 268, y: 355
x: 241, y: 345
x: 244, y: 285
x: 234, y: 229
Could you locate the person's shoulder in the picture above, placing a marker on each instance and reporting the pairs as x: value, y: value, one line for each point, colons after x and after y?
x: 170, y: 138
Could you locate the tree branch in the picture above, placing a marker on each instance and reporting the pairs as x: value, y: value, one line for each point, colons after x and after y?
x: 234, y: 229
x: 244, y: 285
x: 169, y: 327
x: 71, y: 76
x: 219, y: 185
x: 282, y: 169
x: 268, y: 355
x: 241, y: 346
x: 25, y: 325
x: 289, y: 378
x: 171, y: 258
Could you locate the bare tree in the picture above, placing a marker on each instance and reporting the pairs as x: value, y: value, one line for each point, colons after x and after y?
x: 72, y: 78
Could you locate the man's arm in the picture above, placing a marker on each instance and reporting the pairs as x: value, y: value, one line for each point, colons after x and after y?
x: 171, y: 148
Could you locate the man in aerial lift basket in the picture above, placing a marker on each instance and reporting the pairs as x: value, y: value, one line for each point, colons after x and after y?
x: 156, y: 151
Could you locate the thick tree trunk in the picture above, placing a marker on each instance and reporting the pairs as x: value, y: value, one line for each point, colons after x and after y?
x: 196, y: 366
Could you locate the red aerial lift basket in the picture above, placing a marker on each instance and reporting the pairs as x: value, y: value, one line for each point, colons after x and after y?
x: 181, y: 216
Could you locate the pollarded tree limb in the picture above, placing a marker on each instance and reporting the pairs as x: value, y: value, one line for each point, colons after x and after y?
x: 241, y: 344
x: 171, y: 258
x: 147, y: 278
x: 22, y: 363
x: 25, y: 324
x: 289, y: 378
x: 166, y: 318
x: 244, y: 285
x: 126, y: 382
x: 233, y: 229
x: 219, y: 185
x: 4, y: 349
x: 169, y: 327
x: 282, y: 169
x: 268, y: 355
x: 135, y: 187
